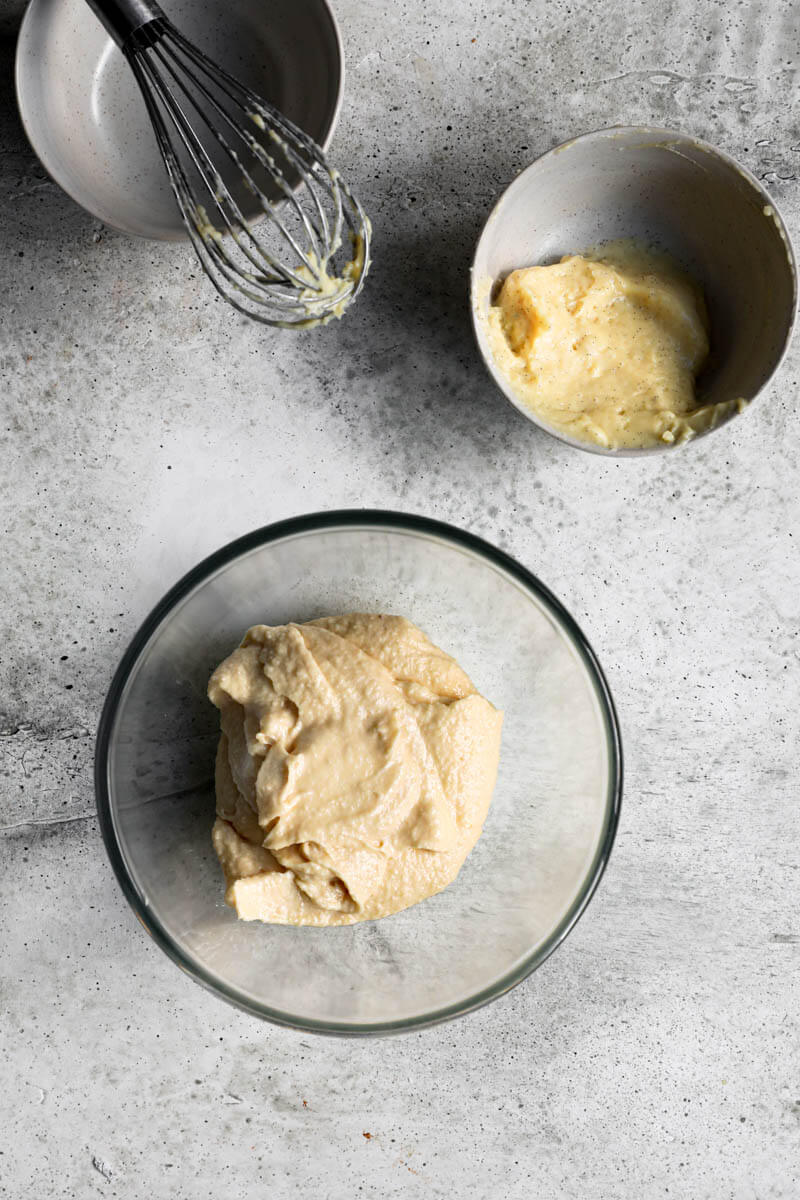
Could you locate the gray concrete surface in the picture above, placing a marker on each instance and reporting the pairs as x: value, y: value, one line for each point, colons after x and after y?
x: 656, y: 1054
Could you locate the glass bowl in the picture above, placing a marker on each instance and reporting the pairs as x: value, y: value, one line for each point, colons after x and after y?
x: 550, y: 827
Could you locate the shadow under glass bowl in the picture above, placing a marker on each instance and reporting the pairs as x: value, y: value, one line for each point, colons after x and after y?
x: 545, y: 842
x: 86, y: 119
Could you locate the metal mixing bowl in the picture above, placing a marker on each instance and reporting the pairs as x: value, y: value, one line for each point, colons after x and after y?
x: 678, y: 195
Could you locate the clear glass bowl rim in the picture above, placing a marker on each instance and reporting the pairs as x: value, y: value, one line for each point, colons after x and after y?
x: 372, y: 519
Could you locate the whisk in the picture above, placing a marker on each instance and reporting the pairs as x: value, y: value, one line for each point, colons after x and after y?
x: 232, y: 159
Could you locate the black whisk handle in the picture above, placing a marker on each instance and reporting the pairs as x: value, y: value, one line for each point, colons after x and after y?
x: 127, y: 20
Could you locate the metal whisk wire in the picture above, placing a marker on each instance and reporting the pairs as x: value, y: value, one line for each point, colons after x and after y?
x: 225, y: 148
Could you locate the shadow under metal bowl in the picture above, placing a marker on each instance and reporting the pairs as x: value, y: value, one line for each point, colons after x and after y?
x: 85, y: 117
x: 550, y: 827
x: 678, y: 195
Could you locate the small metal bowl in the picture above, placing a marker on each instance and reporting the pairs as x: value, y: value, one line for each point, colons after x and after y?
x: 86, y: 119
x: 679, y: 195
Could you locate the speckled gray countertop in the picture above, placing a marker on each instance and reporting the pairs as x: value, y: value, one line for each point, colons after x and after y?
x: 657, y: 1053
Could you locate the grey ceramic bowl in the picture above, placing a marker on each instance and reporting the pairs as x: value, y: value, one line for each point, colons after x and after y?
x: 679, y: 195
x: 86, y: 119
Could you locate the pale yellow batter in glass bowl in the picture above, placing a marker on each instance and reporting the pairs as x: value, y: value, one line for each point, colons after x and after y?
x: 354, y: 771
x: 547, y: 835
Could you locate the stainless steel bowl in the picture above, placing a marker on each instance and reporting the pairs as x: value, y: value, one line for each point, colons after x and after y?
x: 678, y: 194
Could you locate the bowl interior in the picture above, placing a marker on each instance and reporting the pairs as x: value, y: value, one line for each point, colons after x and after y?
x: 679, y: 196
x: 86, y: 118
x: 549, y: 827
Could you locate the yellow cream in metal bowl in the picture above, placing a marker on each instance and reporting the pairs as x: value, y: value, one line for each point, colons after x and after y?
x: 606, y: 348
